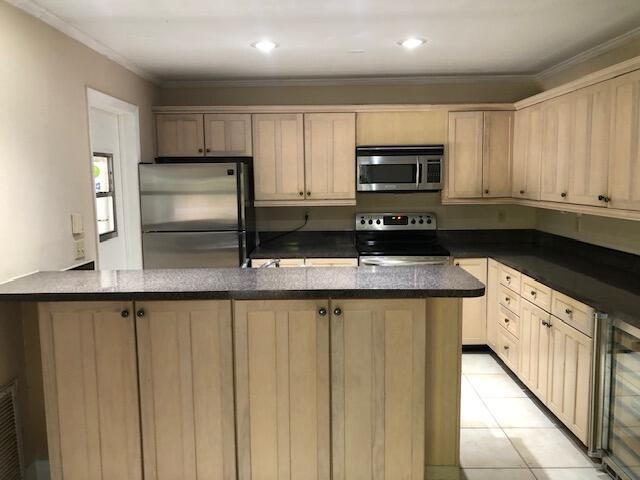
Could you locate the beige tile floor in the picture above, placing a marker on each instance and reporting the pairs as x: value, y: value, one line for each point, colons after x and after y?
x: 506, y: 436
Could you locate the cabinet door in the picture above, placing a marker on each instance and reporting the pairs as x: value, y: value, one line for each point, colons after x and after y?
x: 497, y: 153
x: 588, y: 178
x: 278, y: 160
x: 282, y: 389
x: 378, y: 389
x: 91, y: 390
x: 569, y: 377
x: 227, y: 135
x: 557, y: 139
x: 465, y: 154
x: 624, y: 172
x: 527, y: 153
x: 186, y: 389
x: 534, y: 349
x: 329, y: 150
x: 179, y: 135
x: 493, y: 304
x: 474, y: 310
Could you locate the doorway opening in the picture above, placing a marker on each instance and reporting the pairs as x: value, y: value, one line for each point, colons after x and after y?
x: 115, y: 145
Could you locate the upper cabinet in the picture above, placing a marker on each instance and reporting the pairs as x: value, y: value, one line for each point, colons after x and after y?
x: 329, y: 149
x: 227, y: 134
x: 278, y: 146
x: 624, y: 169
x: 179, y: 135
x: 527, y: 153
x: 402, y: 128
x: 197, y: 135
x: 480, y: 154
x: 557, y: 143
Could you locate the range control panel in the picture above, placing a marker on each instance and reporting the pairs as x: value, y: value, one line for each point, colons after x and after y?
x: 395, y: 221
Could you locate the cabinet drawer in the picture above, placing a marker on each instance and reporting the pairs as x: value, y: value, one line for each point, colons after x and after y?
x: 509, y: 299
x: 284, y: 262
x: 509, y: 278
x: 536, y: 293
x: 509, y: 321
x: 331, y: 262
x: 508, y: 349
x: 573, y: 312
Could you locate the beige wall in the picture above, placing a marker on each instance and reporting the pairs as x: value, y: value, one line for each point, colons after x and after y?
x: 451, y: 92
x: 44, y: 140
x: 449, y: 217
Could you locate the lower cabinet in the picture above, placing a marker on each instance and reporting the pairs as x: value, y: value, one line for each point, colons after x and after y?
x: 91, y: 390
x: 570, y: 377
x: 474, y: 310
x: 186, y: 389
x: 492, y: 302
x: 282, y: 389
x: 535, y: 338
x: 378, y: 378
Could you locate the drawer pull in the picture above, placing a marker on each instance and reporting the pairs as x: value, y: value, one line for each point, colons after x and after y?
x: 568, y: 311
x: 508, y: 279
x: 124, y: 313
x: 337, y: 311
x: 322, y: 312
x: 507, y: 299
x: 546, y: 324
x: 534, y: 293
x: 506, y: 320
x: 506, y: 347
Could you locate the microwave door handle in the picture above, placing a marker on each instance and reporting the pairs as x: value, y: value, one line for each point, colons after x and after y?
x: 418, y: 173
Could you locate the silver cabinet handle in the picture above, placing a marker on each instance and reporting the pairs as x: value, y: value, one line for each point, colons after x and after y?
x: 322, y: 312
x: 337, y: 311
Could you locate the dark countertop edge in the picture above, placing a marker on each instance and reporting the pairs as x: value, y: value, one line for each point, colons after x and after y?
x: 244, y: 295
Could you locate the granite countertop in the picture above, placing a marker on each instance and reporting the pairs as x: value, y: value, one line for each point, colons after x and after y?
x: 307, y: 245
x: 237, y: 283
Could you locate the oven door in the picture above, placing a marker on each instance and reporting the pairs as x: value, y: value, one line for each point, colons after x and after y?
x: 402, y: 261
x: 384, y: 173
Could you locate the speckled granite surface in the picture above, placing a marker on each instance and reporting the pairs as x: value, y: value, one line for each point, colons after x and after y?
x: 236, y: 283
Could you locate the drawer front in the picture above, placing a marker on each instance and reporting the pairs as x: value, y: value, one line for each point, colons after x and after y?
x: 509, y: 321
x: 573, y: 312
x: 508, y: 349
x: 509, y: 278
x: 331, y: 262
x: 536, y: 293
x: 509, y: 299
x: 284, y: 262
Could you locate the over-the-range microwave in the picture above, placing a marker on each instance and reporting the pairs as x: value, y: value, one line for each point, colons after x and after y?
x: 399, y: 168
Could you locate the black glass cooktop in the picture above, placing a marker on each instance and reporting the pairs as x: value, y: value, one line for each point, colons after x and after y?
x: 400, y: 243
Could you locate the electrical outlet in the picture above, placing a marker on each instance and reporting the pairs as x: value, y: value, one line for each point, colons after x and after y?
x: 79, y: 249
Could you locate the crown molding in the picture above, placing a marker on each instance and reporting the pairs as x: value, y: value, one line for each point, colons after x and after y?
x: 589, y: 54
x: 340, y: 81
x: 66, y: 28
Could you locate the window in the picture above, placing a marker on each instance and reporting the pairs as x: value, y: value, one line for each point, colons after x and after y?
x: 105, y: 196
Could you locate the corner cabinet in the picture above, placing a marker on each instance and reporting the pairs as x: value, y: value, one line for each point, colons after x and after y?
x: 527, y: 153
x: 480, y: 152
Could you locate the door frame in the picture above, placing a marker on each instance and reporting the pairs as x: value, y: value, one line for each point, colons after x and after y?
x: 130, y: 156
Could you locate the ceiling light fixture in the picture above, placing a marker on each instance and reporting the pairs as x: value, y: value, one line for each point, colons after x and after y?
x: 265, y: 45
x: 412, y: 42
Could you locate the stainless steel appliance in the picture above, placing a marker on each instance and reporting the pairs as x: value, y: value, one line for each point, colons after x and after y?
x: 616, y: 433
x: 398, y: 239
x: 400, y: 168
x: 197, y: 214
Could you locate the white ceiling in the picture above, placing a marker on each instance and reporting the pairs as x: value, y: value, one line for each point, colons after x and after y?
x: 209, y: 39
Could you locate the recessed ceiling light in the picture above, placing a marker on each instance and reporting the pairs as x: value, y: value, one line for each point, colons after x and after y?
x: 265, y: 45
x: 412, y: 42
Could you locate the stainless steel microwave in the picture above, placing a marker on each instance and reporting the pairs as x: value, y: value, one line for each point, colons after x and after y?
x: 399, y: 168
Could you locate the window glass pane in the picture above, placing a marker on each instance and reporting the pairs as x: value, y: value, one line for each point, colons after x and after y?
x: 104, y: 214
x: 101, y: 173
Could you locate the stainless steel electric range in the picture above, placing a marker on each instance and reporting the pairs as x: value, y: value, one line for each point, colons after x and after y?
x: 398, y: 239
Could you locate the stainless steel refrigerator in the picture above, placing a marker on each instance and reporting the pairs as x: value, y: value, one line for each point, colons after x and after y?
x: 197, y: 214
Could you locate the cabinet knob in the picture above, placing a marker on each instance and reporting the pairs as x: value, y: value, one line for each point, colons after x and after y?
x: 457, y: 264
x: 208, y: 150
x: 199, y: 150
x: 506, y: 347
x: 308, y: 194
x: 322, y: 312
x: 563, y: 194
x: 337, y: 311
x: 507, y: 299
x: 568, y: 311
x: 521, y: 192
x: 140, y: 313
x: 301, y: 193
x: 506, y: 320
x: 604, y: 198
x: 508, y: 278
x: 486, y: 191
x: 534, y: 293
x: 545, y: 323
x: 124, y: 313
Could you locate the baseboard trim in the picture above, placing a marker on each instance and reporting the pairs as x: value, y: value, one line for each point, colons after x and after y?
x: 442, y: 472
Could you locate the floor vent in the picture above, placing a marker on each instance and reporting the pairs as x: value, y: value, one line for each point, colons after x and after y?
x: 10, y: 449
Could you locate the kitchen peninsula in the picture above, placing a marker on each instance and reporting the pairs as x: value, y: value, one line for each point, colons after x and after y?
x: 341, y: 373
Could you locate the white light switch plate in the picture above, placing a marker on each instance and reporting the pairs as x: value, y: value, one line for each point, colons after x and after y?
x: 79, y: 249
x: 76, y: 224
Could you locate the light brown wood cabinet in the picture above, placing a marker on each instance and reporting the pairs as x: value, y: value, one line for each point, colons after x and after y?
x: 91, y: 390
x: 480, y: 147
x: 570, y: 377
x: 278, y: 163
x: 492, y: 302
x: 179, y: 135
x: 527, y: 153
x: 557, y: 148
x: 330, y: 148
x: 282, y: 389
x: 227, y: 134
x: 474, y: 310
x: 624, y: 165
x: 378, y: 370
x: 535, y: 338
x: 185, y: 364
x: 402, y: 128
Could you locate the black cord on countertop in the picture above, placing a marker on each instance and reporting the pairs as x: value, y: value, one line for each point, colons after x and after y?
x: 306, y: 219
